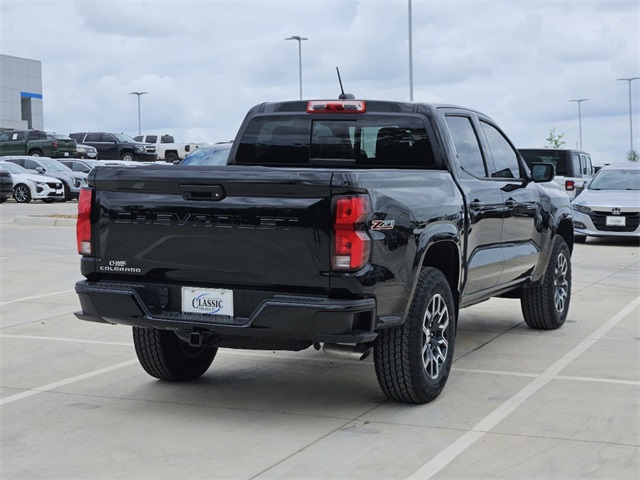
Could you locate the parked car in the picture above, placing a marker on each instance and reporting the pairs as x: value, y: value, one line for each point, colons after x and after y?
x: 83, y: 165
x: 167, y: 148
x: 573, y: 167
x: 116, y: 146
x: 27, y: 186
x: 610, y: 205
x: 6, y: 185
x: 36, y: 143
x: 71, y: 181
x: 87, y: 151
x: 216, y: 154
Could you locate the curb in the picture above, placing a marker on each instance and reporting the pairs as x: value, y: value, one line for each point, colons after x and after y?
x: 44, y: 221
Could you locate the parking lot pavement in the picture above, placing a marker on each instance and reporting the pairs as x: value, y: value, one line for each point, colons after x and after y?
x: 519, y: 403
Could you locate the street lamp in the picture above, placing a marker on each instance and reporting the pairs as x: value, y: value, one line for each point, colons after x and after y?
x: 630, y: 115
x: 138, y: 94
x: 410, y: 57
x: 580, y: 100
x: 299, y: 39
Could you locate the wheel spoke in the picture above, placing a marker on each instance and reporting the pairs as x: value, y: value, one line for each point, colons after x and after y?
x: 435, y: 345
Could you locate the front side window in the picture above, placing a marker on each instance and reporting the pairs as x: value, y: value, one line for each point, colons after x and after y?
x: 505, y: 158
x: 467, y: 145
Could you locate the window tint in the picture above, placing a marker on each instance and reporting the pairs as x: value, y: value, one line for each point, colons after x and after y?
x: 166, y: 139
x: 467, y: 145
x: 93, y: 137
x: 4, y: 137
x: 371, y: 141
x: 505, y: 158
x: 150, y: 138
x: 557, y: 158
x: 139, y: 138
x: 16, y: 136
x: 587, y: 168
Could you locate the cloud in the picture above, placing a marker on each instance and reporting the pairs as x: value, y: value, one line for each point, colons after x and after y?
x: 206, y: 62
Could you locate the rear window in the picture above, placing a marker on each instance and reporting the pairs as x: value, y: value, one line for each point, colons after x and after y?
x: 559, y: 159
x: 371, y: 141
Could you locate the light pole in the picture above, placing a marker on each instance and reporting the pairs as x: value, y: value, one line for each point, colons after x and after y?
x: 299, y: 39
x: 630, y: 114
x: 138, y: 94
x: 580, y: 100
x: 410, y: 57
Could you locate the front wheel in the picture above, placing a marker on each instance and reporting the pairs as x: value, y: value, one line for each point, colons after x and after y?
x: 413, y: 360
x: 21, y: 193
x: 163, y: 355
x: 545, y: 306
x: 127, y: 157
x: 35, y: 153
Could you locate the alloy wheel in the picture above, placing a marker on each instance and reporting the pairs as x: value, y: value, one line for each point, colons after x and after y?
x: 435, y: 345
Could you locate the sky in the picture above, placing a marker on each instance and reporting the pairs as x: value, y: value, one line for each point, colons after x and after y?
x: 205, y: 63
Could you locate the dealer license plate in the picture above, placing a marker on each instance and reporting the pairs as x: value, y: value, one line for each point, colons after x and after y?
x: 616, y: 221
x: 66, y: 154
x: 207, y: 301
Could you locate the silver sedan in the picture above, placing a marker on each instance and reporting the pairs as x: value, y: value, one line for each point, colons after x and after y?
x: 610, y: 205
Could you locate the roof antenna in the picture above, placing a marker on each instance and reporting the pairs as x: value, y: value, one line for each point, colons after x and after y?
x: 343, y: 96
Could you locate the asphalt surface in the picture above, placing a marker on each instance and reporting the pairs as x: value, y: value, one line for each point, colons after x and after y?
x: 519, y: 404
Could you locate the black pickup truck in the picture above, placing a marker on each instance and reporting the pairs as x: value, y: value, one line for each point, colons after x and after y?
x: 353, y: 226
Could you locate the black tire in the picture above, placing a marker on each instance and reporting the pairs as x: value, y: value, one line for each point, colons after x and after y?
x: 127, y: 157
x: 545, y: 305
x: 3, y: 199
x: 36, y: 153
x: 579, y: 238
x: 21, y: 193
x: 47, y: 200
x: 171, y: 157
x: 163, y: 355
x: 67, y: 192
x: 413, y: 360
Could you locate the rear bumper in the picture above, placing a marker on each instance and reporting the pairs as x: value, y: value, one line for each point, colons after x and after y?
x: 270, y: 315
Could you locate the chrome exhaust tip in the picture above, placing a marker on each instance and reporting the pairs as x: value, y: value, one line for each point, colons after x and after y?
x: 347, y: 352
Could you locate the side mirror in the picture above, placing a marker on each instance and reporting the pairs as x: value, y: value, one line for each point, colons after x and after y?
x: 543, y: 172
x: 85, y: 170
x: 40, y: 170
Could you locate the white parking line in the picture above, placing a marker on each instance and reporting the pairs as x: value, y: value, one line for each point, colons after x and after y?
x: 36, y: 296
x: 444, y: 458
x: 72, y: 340
x: 62, y: 383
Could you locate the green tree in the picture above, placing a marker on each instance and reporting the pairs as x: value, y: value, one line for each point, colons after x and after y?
x: 633, y: 156
x: 555, y: 140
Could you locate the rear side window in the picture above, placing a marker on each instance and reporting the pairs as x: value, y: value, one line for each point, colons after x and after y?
x: 93, y: 137
x: 467, y: 145
x: 370, y: 141
x: 165, y: 139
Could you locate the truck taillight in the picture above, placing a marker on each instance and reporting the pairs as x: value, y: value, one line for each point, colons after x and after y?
x: 569, y: 185
x: 55, y: 144
x: 351, y: 244
x: 83, y: 226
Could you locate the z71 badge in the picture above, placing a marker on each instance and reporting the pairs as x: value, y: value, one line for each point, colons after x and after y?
x: 383, y: 224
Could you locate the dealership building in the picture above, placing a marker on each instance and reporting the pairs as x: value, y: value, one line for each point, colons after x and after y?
x: 20, y: 93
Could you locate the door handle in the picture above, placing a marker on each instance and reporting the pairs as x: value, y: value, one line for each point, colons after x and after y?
x: 511, y: 203
x: 476, y: 205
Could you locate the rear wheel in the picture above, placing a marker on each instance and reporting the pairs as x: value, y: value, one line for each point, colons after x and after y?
x: 545, y: 306
x: 163, y: 355
x: 171, y: 157
x: 21, y: 193
x: 413, y: 361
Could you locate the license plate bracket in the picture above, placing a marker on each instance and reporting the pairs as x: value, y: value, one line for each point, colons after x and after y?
x: 207, y: 301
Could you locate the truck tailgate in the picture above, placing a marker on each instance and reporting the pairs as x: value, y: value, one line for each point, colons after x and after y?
x: 223, y: 226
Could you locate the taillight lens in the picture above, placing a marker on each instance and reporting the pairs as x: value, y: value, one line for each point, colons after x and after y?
x: 351, y: 244
x: 337, y: 106
x: 54, y: 144
x: 569, y: 185
x: 83, y: 226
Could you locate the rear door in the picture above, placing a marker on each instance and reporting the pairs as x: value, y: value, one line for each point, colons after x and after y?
x: 484, y: 204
